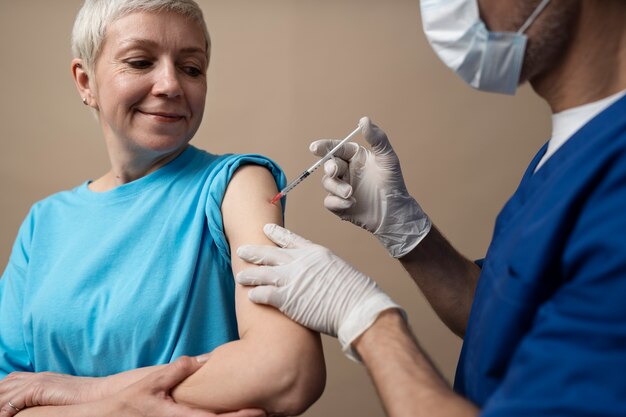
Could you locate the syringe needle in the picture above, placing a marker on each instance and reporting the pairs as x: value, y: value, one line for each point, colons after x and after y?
x: 313, y: 167
x: 276, y: 198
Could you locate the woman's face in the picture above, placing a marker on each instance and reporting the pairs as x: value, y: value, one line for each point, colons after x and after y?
x: 150, y: 82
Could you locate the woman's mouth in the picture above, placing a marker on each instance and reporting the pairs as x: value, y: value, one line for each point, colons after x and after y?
x: 167, y: 117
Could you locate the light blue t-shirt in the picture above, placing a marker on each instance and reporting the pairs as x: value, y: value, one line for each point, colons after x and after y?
x: 100, y: 283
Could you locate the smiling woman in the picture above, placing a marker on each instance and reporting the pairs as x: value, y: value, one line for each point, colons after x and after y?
x: 148, y: 86
x: 121, y: 275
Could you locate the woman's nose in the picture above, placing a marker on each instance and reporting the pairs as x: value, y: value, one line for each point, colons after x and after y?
x: 167, y: 82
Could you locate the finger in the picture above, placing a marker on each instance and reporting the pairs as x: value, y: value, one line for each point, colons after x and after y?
x: 323, y: 146
x: 330, y: 167
x: 338, y: 204
x: 8, y: 411
x: 245, y: 413
x: 173, y: 374
x: 337, y: 187
x: 336, y: 168
x: 263, y: 255
x: 374, y: 136
x: 264, y: 275
x: 283, y: 237
x: 266, y: 294
x: 203, y: 358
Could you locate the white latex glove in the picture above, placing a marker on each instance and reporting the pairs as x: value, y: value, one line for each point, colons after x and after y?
x: 366, y: 187
x: 313, y: 286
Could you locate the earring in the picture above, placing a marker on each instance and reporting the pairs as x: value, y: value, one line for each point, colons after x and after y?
x: 84, y: 101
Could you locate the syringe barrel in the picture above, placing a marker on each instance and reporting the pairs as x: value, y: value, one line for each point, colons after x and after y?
x: 295, y: 182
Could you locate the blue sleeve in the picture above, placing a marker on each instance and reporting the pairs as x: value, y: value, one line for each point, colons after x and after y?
x: 219, y: 179
x: 13, y: 353
x: 572, y: 362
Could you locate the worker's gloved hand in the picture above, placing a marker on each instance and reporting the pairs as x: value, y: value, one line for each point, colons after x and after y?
x: 313, y: 286
x: 366, y: 187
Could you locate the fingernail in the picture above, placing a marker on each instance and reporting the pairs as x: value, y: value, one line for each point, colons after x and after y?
x: 203, y: 358
x: 345, y: 190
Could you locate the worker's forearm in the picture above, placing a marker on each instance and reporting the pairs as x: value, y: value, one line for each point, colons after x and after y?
x: 446, y: 278
x: 407, y: 382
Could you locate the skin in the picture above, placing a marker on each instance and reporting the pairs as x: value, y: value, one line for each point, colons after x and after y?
x: 590, y: 67
x: 148, y: 87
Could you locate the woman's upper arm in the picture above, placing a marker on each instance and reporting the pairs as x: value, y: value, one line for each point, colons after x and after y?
x: 296, y: 351
x: 245, y: 209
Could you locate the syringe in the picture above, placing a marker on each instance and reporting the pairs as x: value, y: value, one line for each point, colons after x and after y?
x: 313, y: 167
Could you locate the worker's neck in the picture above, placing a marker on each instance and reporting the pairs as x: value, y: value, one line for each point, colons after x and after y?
x: 594, y: 66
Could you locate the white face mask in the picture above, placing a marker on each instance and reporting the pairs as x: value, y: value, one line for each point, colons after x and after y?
x: 488, y: 61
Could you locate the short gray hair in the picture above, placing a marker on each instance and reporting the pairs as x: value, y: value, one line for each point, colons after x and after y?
x: 95, y: 15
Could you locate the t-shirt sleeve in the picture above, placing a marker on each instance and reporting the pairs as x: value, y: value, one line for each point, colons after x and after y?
x: 218, y: 182
x: 573, y: 360
x: 13, y: 353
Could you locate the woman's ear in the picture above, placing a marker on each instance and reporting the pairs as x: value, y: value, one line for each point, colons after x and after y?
x: 82, y: 81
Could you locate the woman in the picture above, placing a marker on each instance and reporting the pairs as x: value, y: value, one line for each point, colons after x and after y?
x: 134, y: 269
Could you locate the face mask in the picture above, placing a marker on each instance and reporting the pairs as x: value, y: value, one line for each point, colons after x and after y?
x: 488, y: 61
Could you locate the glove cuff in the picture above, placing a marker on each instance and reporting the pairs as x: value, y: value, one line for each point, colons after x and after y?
x: 361, y: 318
x: 404, y: 225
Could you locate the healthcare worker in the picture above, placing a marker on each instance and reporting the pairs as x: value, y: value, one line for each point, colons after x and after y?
x: 543, y: 316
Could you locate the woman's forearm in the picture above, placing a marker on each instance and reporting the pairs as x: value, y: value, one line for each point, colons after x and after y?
x: 259, y: 371
x: 446, y: 278
x: 111, y: 385
x: 282, y: 375
x: 281, y: 371
x: 148, y: 397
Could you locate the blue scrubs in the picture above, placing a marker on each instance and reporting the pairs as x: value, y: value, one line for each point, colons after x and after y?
x: 547, y: 331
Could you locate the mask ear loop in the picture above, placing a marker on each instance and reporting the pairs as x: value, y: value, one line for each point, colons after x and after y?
x: 533, y: 16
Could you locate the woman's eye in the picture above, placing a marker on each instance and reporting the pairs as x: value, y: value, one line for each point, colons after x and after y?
x: 192, y: 71
x: 140, y: 63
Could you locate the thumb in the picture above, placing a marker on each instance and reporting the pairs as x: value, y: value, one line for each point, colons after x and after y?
x: 283, y: 237
x: 266, y: 294
x: 245, y: 413
x: 171, y: 375
x: 375, y: 137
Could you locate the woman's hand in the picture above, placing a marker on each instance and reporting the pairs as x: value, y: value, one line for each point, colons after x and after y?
x: 28, y: 389
x: 150, y: 397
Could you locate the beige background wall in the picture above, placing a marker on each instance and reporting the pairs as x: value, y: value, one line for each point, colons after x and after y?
x: 285, y: 72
